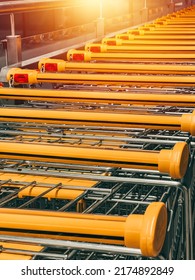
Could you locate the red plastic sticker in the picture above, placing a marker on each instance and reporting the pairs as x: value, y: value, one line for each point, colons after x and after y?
x: 78, y: 57
x: 111, y: 43
x: 95, y: 49
x: 21, y: 78
x: 51, y: 67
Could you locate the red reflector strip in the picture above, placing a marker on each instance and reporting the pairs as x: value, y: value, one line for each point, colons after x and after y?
x: 78, y: 57
x: 51, y: 67
x: 160, y: 22
x: 21, y: 78
x: 95, y: 49
x: 111, y: 43
x: 123, y: 37
x: 134, y: 32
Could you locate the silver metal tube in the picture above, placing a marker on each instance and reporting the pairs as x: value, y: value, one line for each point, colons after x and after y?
x: 32, y: 253
x: 12, y: 22
x: 73, y: 245
x: 145, y: 4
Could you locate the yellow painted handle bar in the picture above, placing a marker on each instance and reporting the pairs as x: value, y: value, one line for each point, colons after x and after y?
x: 142, y: 43
x: 142, y: 231
x: 59, y: 65
x: 26, y: 76
x: 137, y: 35
x: 186, y: 100
x: 81, y: 55
x: 163, y: 25
x: 162, y: 32
x: 185, y: 122
x: 103, y: 48
x: 173, y: 162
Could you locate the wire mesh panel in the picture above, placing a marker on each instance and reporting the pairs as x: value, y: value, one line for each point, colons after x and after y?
x: 71, y: 188
x: 120, y: 194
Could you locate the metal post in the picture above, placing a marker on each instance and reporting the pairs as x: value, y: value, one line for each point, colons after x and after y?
x: 101, y: 8
x: 12, y: 22
x: 145, y: 4
x: 4, y: 44
x: 145, y: 12
x: 100, y: 21
x: 171, y: 6
x: 14, y: 50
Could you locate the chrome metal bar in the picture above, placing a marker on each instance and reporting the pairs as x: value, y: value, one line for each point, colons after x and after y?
x: 73, y: 245
x: 41, y: 195
x: 11, y: 196
x: 53, y: 256
x: 88, y: 137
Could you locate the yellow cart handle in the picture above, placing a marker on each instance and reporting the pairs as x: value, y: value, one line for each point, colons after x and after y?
x: 170, y: 161
x: 143, y: 231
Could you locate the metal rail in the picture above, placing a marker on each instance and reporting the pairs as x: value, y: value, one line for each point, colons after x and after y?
x: 7, y: 7
x: 173, y: 162
x: 16, y: 76
x: 153, y: 49
x: 184, y: 122
x: 112, y: 227
x: 137, y: 36
x: 82, y: 55
x: 138, y: 43
x: 59, y: 65
x: 167, y: 97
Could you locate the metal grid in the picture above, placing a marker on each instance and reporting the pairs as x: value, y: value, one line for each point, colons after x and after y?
x: 105, y: 108
x: 123, y: 192
x: 92, y: 136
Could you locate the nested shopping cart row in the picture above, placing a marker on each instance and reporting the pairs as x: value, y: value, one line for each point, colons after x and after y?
x: 101, y: 164
x: 27, y: 184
